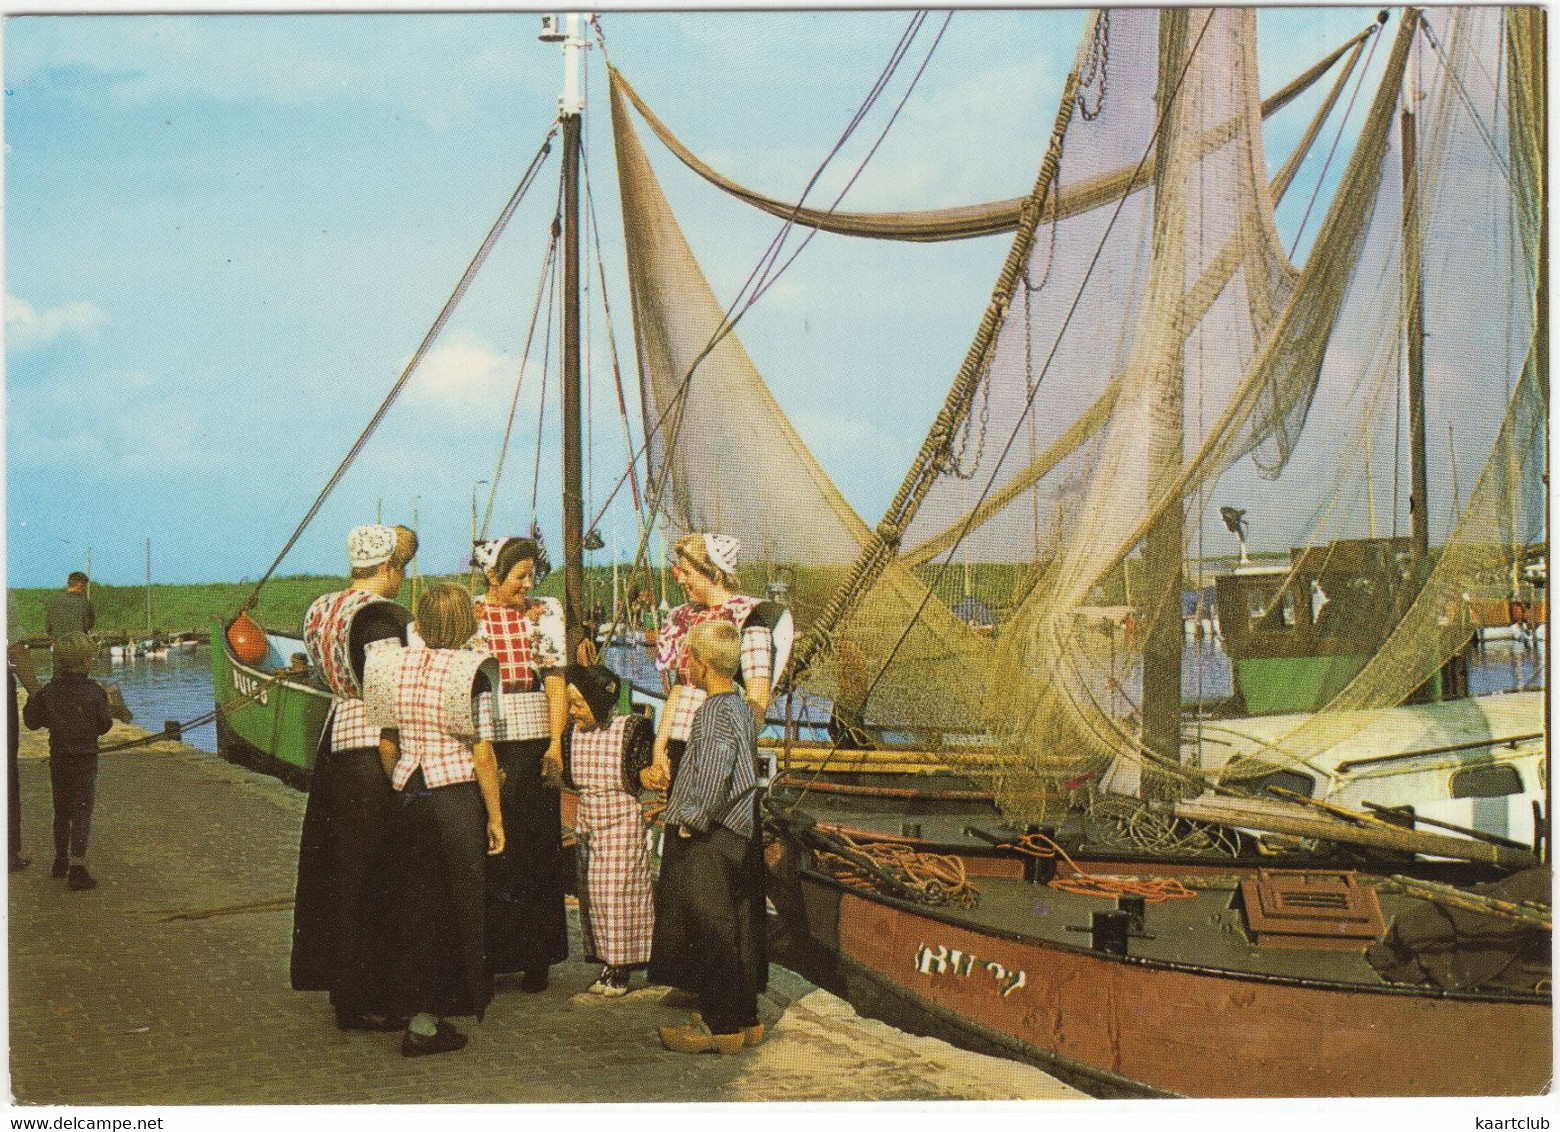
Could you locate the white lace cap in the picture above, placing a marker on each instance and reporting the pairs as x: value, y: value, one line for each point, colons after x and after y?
x: 370, y: 546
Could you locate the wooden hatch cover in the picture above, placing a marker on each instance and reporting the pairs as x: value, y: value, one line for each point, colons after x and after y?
x: 1330, y: 911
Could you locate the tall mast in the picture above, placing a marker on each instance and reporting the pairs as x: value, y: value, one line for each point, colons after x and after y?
x: 571, y: 108
x: 1163, y: 547
x: 1414, y: 299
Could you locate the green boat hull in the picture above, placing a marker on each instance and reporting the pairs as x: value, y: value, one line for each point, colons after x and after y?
x: 265, y: 722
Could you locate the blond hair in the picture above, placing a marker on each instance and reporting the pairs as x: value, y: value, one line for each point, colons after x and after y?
x: 400, y: 557
x: 73, y: 652
x: 445, y: 617
x: 692, y: 551
x: 718, y: 644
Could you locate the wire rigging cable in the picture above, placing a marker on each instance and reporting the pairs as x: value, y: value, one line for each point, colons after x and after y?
x: 416, y: 360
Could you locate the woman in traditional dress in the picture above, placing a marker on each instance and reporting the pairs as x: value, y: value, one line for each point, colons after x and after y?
x: 436, y: 703
x: 603, y: 758
x: 341, y: 929
x: 527, y: 929
x: 705, y: 567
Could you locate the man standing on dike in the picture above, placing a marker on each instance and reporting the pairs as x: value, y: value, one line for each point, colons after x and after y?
x: 71, y: 611
x: 342, y: 931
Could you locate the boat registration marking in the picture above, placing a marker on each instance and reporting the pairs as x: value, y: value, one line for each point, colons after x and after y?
x: 947, y: 960
x: 247, y: 685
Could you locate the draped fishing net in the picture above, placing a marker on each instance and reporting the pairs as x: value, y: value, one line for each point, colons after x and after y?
x: 1151, y: 354
x: 704, y: 403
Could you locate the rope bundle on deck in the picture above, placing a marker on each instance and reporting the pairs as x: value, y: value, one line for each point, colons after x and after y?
x: 1154, y: 890
x: 898, y: 870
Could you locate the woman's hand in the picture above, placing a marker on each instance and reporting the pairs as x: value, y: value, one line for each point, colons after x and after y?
x: 552, y: 765
x: 495, y: 836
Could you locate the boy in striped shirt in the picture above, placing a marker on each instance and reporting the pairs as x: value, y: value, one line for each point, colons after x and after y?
x: 712, y: 890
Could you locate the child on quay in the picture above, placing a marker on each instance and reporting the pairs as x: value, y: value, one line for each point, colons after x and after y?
x: 76, y: 711
x: 711, y: 934
x: 604, y: 758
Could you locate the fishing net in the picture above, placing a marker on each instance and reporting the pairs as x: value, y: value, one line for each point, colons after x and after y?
x: 1040, y: 600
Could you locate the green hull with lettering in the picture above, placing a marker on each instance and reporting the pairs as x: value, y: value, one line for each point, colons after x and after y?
x: 267, y: 722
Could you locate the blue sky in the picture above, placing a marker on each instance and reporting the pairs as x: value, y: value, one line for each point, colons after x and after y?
x: 226, y: 234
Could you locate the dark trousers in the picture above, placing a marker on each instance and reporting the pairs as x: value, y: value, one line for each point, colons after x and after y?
x: 441, y: 838
x: 341, y: 914
x: 13, y: 817
x: 714, y: 879
x: 74, y: 782
x: 527, y: 927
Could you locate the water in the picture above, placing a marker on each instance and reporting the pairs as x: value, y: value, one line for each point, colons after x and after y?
x: 177, y: 688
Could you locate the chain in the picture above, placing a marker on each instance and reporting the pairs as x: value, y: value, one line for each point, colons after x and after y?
x: 955, y: 463
x: 1095, y: 68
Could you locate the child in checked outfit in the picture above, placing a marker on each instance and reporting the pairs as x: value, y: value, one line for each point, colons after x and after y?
x: 603, y: 758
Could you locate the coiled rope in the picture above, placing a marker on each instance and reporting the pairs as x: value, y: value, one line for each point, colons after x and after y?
x: 898, y: 870
x: 1154, y: 890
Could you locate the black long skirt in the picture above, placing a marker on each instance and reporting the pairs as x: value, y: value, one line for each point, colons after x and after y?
x: 342, y: 928
x: 441, y: 964
x: 526, y: 925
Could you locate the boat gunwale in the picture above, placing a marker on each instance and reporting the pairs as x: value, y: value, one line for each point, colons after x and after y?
x: 807, y: 871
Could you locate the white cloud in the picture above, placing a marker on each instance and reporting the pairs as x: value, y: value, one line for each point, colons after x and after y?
x: 465, y: 376
x: 27, y: 327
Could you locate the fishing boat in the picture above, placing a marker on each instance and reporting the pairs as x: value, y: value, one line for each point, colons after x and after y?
x: 1000, y: 671
x: 1212, y: 366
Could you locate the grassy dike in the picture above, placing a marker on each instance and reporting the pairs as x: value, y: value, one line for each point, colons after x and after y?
x: 122, y: 609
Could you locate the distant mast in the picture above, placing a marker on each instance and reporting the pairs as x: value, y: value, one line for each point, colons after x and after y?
x: 571, y: 108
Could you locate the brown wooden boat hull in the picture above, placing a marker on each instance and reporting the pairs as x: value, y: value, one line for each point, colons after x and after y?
x: 1126, y: 1026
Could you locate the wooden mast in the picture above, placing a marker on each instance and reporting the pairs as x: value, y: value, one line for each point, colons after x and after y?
x: 570, y: 110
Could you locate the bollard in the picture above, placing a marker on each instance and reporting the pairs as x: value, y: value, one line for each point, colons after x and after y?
x: 1040, y: 870
x: 1136, y: 909
x: 172, y: 729
x: 911, y: 829
x: 1109, y: 932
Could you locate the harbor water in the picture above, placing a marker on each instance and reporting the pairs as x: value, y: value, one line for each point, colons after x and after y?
x: 178, y: 686
x: 158, y: 689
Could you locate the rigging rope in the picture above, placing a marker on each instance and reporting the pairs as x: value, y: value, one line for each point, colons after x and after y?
x: 514, y: 403
x: 411, y: 366
x: 761, y: 271
x: 552, y: 290
x: 1348, y: 112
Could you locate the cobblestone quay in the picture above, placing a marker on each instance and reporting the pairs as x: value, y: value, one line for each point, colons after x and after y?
x: 167, y: 984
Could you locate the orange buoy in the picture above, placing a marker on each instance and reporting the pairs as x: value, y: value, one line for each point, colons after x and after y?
x: 247, y: 640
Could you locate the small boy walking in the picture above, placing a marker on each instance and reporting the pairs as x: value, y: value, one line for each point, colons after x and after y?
x: 712, y: 891
x: 75, y: 709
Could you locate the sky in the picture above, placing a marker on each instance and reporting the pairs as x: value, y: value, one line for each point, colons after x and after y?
x: 225, y: 236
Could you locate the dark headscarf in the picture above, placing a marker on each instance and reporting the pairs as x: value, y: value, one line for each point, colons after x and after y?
x: 599, y: 685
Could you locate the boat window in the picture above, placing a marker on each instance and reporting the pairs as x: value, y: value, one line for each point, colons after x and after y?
x: 1270, y: 612
x: 1287, y: 780
x: 1486, y: 782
